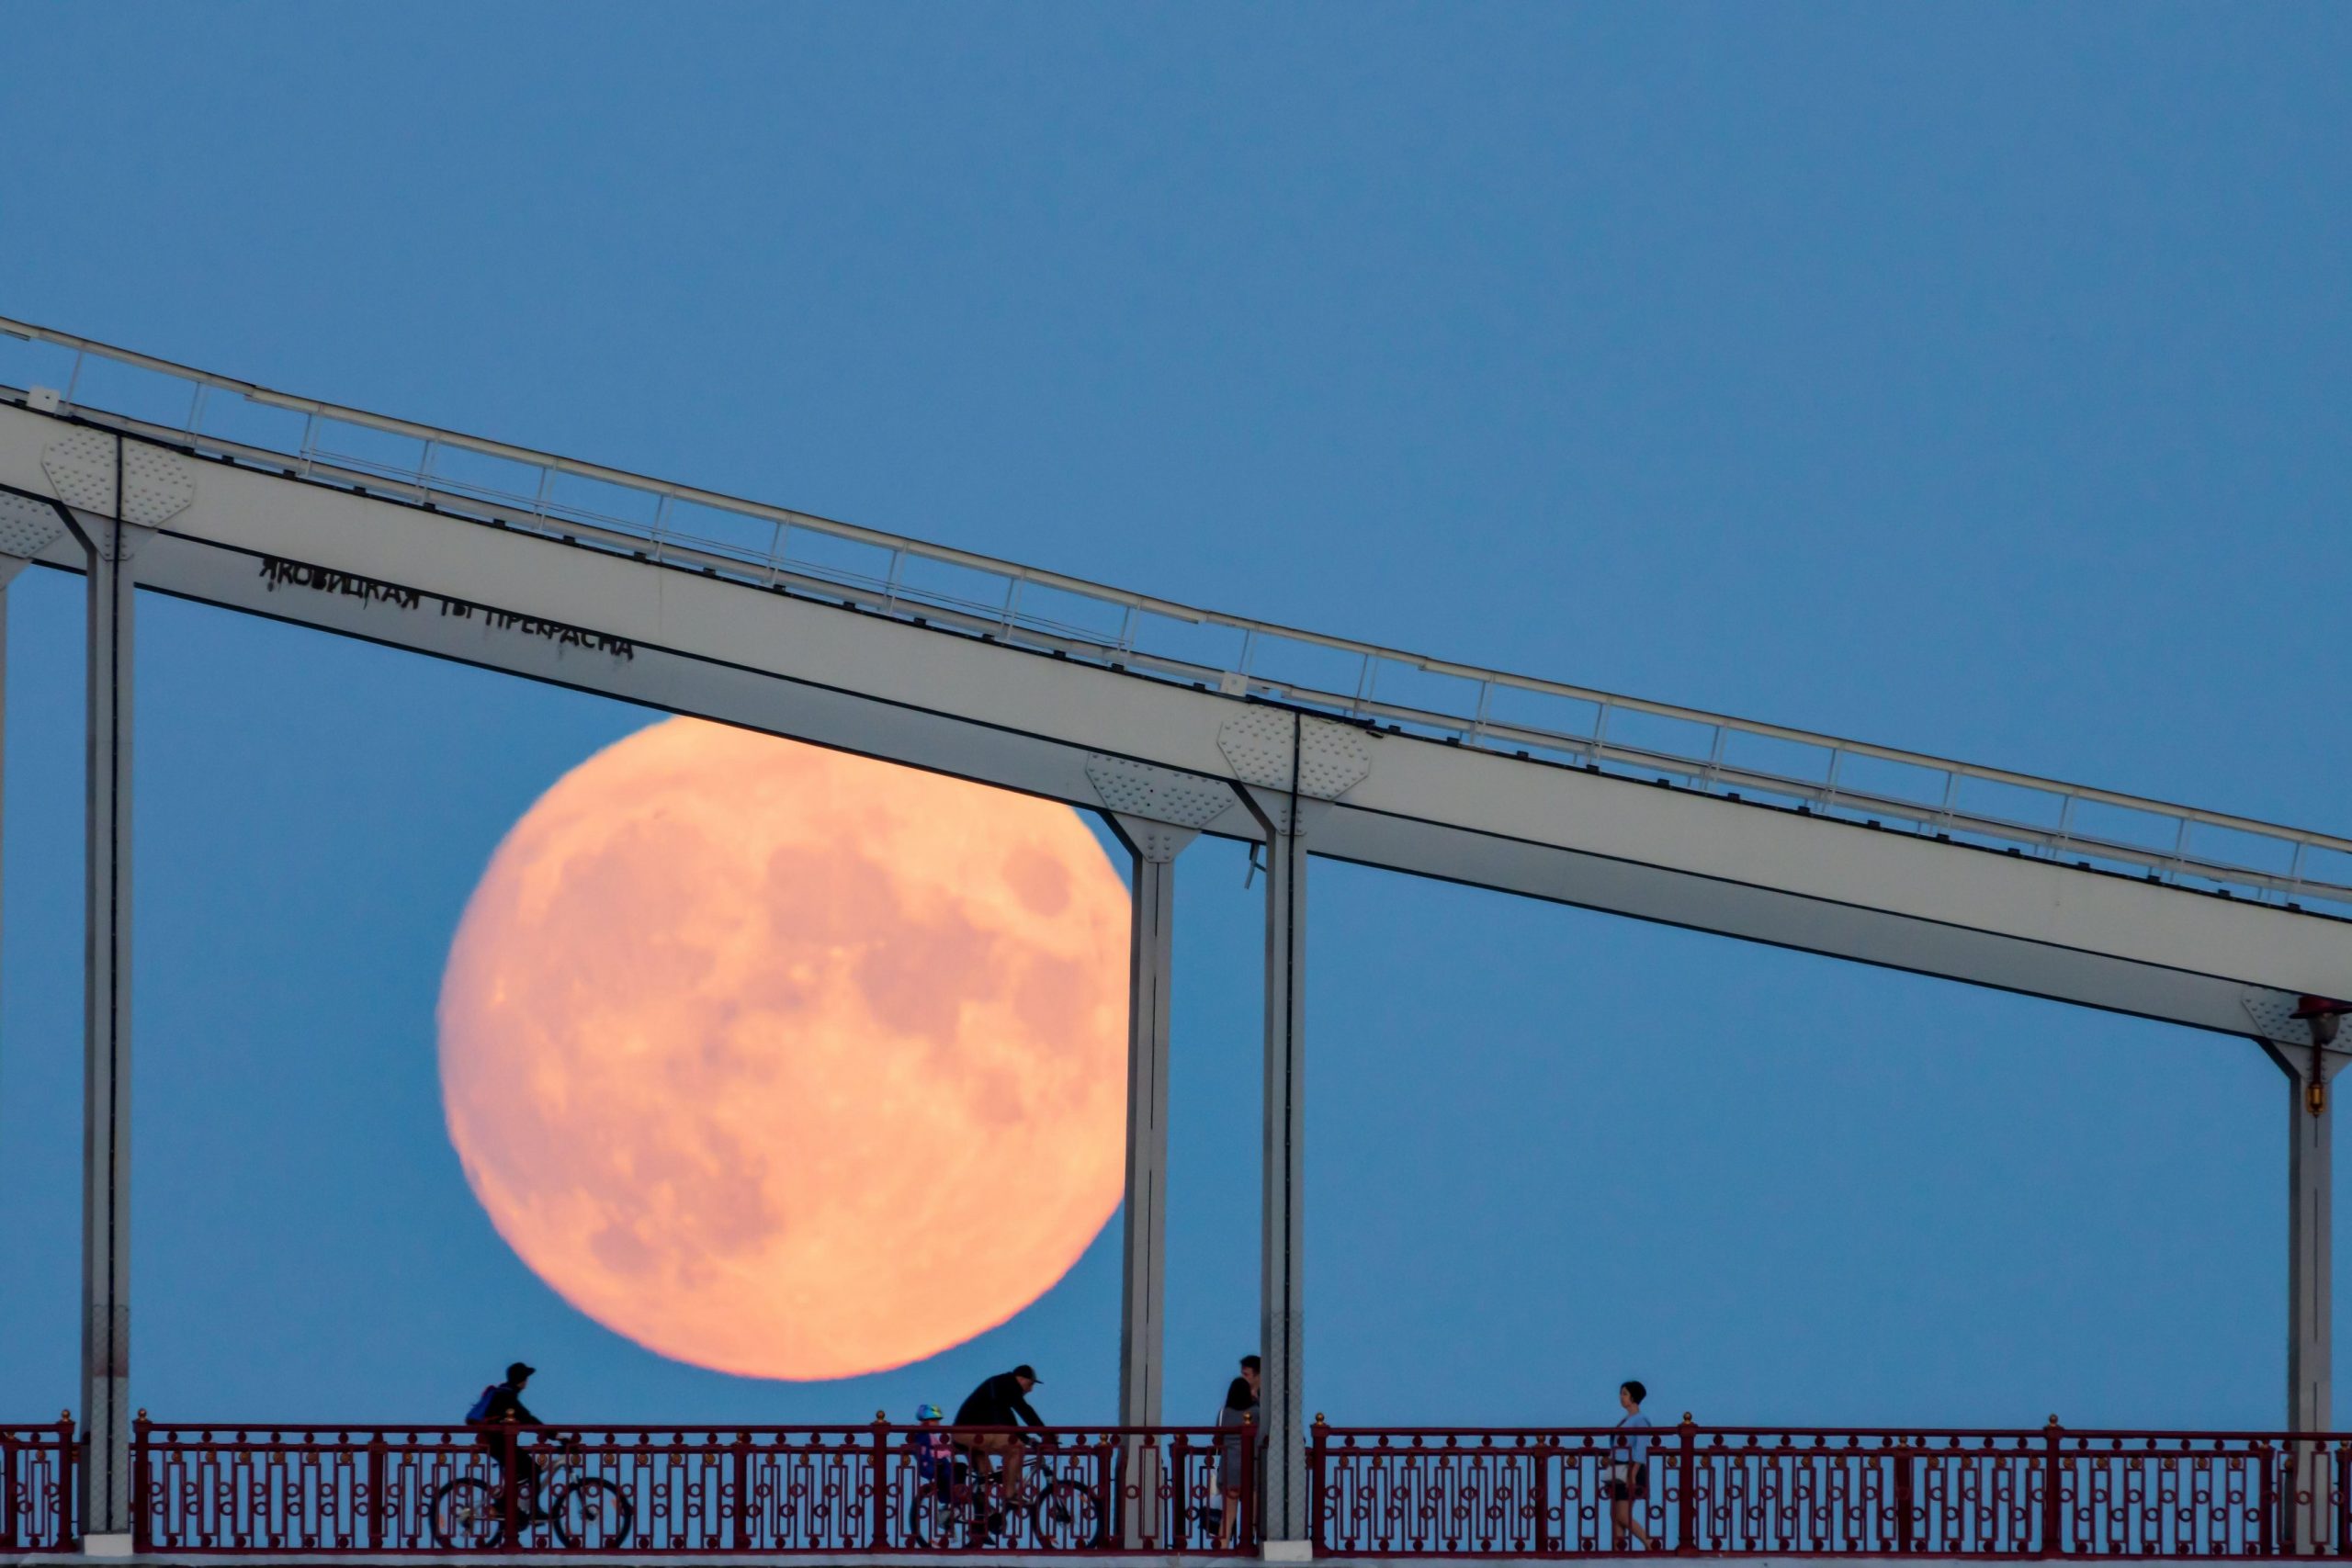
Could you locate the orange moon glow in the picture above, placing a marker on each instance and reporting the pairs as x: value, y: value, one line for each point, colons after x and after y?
x: 785, y: 1063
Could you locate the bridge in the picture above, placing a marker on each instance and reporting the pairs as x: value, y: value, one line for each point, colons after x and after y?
x: 1171, y: 721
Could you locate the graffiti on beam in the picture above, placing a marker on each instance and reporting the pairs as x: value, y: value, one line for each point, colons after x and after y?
x: 276, y: 571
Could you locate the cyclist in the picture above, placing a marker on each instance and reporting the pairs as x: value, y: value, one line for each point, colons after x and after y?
x: 497, y: 1414
x: 935, y: 1467
x: 999, y: 1401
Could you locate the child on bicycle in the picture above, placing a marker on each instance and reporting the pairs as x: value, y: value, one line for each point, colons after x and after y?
x: 936, y: 1465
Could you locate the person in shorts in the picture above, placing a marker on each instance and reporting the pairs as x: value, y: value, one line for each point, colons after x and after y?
x: 1000, y: 1403
x: 1626, y: 1481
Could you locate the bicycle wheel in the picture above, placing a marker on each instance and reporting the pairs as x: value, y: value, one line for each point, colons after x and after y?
x: 931, y: 1519
x: 1066, y: 1514
x: 465, y: 1515
x: 593, y: 1512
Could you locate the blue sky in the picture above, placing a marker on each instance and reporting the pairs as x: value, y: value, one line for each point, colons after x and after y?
x: 1977, y: 380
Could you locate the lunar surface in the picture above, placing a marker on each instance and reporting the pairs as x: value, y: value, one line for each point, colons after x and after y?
x: 786, y: 1063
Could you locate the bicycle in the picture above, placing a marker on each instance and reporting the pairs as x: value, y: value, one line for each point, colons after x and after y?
x: 1060, y: 1514
x: 468, y: 1514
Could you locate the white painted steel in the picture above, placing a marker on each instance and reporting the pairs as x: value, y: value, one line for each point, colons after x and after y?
x: 2310, y: 1164
x: 1164, y: 639
x: 670, y: 596
x: 2311, y: 1206
x: 105, y: 1500
x: 1143, y: 1258
x: 796, y: 663
x: 1288, y: 819
x: 1150, y: 940
x: 2311, y: 1183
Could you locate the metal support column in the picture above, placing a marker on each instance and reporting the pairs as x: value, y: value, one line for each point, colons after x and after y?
x: 28, y: 524
x: 106, y: 1502
x: 1151, y: 932
x: 1282, y: 1299
x: 9, y: 567
x: 2311, y: 1161
x: 2309, y: 1503
x: 1284, y: 1514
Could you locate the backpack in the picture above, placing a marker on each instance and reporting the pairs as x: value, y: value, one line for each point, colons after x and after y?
x: 481, y: 1411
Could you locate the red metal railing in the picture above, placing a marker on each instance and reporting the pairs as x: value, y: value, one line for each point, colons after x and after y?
x: 1807, y: 1493
x: 681, y: 1490
x: 37, y: 1488
x: 1722, y: 1491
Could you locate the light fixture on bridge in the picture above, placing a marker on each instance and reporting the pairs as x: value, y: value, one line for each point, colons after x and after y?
x: 2323, y: 1014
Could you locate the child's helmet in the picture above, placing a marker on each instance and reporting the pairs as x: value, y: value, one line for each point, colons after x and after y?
x: 928, y: 1413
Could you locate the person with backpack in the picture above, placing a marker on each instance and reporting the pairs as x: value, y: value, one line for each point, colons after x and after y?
x: 935, y: 1473
x: 498, y: 1414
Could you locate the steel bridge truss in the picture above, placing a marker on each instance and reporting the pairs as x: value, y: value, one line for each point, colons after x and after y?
x: 1169, y: 720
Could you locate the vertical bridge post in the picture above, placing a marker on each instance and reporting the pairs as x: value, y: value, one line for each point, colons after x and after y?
x: 111, y: 492
x: 28, y: 524
x: 2299, y: 1033
x: 1143, y: 1297
x: 1156, y: 812
x: 1283, y: 1262
x: 1294, y: 768
x: 107, y: 1508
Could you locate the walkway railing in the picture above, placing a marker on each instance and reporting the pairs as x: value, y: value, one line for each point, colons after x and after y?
x: 686, y: 1490
x: 37, y: 1488
x: 258, y: 1490
x: 1811, y: 1492
x: 791, y: 551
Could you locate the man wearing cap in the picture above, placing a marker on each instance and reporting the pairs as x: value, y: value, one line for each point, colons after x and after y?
x: 999, y: 1401
x: 501, y: 1406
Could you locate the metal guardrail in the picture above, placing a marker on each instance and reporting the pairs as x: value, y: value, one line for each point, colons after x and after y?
x: 797, y: 552
x: 260, y: 1491
x: 256, y: 1491
x: 37, y: 1488
x: 1773, y: 1493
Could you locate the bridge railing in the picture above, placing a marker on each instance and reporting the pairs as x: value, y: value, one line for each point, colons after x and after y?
x: 37, y: 1488
x: 262, y: 1490
x: 1799, y: 1492
x: 788, y: 551
x: 688, y: 1490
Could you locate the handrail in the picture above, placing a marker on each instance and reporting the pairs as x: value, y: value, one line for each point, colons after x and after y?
x: 36, y: 1486
x: 741, y: 1491
x: 1763, y: 1492
x: 1830, y: 786
x: 264, y: 1490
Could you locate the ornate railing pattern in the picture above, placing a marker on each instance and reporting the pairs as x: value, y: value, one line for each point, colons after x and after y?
x: 1800, y: 1493
x: 249, y: 1490
x: 37, y: 1488
x: 256, y: 1491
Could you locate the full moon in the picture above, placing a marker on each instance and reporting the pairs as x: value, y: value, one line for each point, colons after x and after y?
x: 785, y: 1063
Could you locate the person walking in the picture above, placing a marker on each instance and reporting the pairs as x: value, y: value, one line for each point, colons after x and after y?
x: 1627, y: 1478
x: 1239, y: 1410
